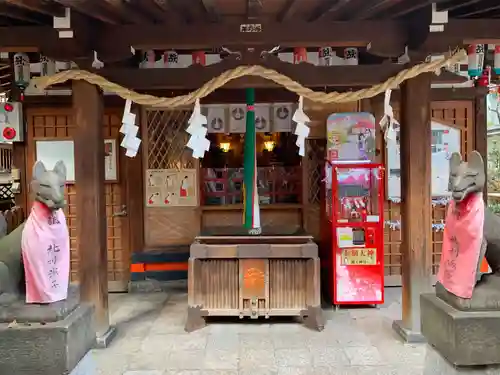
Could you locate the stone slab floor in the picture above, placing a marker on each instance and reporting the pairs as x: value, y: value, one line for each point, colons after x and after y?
x: 151, y: 341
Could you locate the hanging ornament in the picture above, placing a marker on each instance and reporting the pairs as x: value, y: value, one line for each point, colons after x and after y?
x: 325, y: 55
x: 388, y: 122
x: 485, y: 79
x: 301, y: 130
x: 130, y: 141
x: 97, y: 64
x: 475, y: 59
x: 351, y: 56
x: 198, y: 141
x: 170, y: 59
x: 22, y: 72
x: 496, y: 64
x: 299, y: 55
x: 149, y: 60
x: 47, y: 66
x: 199, y: 58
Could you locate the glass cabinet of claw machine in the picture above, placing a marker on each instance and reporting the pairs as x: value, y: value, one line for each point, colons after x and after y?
x: 355, y: 206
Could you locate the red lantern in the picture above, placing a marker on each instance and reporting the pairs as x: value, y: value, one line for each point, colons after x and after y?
x: 484, y: 80
x: 9, y: 133
x: 8, y: 107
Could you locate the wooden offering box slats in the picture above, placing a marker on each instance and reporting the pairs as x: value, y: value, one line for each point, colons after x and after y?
x: 255, y: 276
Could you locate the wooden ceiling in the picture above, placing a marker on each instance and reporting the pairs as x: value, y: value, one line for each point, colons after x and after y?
x: 122, y: 12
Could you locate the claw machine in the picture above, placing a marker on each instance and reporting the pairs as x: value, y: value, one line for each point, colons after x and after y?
x: 354, y: 203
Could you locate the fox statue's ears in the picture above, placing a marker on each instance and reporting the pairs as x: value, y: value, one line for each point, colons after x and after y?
x: 39, y: 169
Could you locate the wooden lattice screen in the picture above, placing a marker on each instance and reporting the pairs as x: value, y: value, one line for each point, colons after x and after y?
x: 461, y: 115
x: 164, y: 141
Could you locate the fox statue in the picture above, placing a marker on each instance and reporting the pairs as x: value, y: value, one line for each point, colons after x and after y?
x: 38, y: 250
x: 472, y: 233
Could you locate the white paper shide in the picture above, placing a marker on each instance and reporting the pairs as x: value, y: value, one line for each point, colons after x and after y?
x: 130, y: 141
x: 198, y: 141
x: 301, y: 130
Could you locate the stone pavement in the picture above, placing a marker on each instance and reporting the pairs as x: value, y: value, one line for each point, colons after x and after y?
x: 151, y: 341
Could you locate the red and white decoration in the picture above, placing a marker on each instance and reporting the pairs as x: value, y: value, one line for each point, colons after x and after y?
x: 496, y: 64
x: 299, y: 55
x: 130, y: 141
x: 475, y: 59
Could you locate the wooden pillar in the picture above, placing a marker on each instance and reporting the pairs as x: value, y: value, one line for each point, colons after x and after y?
x: 481, y: 131
x: 90, y: 204
x: 416, y: 214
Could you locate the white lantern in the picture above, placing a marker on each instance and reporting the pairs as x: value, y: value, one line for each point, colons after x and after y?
x: 475, y: 60
x: 22, y: 72
x: 47, y: 66
x: 325, y: 55
x: 170, y: 59
x: 351, y: 56
x: 496, y: 64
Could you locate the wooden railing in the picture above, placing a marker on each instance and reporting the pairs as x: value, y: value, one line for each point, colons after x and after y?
x: 276, y: 185
x: 14, y: 217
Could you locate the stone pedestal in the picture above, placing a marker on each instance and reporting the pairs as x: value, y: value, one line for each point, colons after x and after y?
x: 45, y: 339
x: 464, y: 338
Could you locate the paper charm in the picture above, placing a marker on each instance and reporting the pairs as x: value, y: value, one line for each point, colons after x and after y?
x: 97, y: 64
x: 301, y: 130
x: 388, y: 122
x: 130, y: 141
x: 198, y: 141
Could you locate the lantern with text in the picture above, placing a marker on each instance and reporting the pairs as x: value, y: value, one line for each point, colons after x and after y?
x: 22, y: 72
x: 356, y: 214
x: 496, y: 61
x: 475, y: 59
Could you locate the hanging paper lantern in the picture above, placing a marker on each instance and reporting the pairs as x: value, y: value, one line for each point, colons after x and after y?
x: 170, y: 59
x: 496, y: 64
x: 351, y: 56
x: 325, y: 55
x: 299, y: 55
x: 199, y: 58
x: 149, y: 60
x: 47, y: 66
x: 476, y: 59
x: 485, y: 79
x: 22, y: 72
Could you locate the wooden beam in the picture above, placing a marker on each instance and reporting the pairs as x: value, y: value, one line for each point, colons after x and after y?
x: 307, y: 74
x: 403, y: 9
x: 210, y: 10
x: 287, y: 11
x: 171, y: 5
x: 125, y: 10
x: 453, y: 5
x: 481, y: 10
x: 390, y: 34
x: 328, y: 9
x: 46, y: 8
x: 416, y: 215
x: 89, y: 9
x: 90, y: 201
x: 379, y: 6
x: 253, y: 9
x: 9, y: 11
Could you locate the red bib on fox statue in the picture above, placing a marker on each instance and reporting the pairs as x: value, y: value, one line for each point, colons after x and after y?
x: 461, y: 257
x: 45, y: 238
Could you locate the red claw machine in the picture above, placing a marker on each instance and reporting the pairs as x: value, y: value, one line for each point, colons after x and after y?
x: 355, y: 205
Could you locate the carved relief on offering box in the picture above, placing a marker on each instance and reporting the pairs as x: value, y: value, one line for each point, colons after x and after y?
x: 171, y: 187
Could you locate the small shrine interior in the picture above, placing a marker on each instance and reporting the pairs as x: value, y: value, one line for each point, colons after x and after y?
x: 170, y: 48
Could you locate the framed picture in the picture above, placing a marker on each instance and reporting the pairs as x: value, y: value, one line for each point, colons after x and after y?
x: 171, y: 188
x: 51, y: 151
